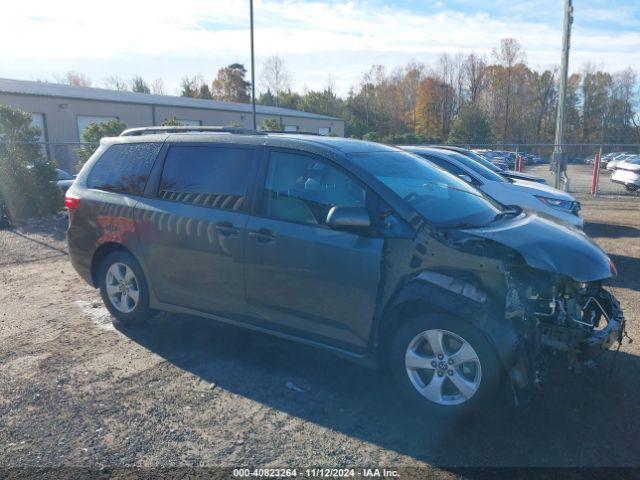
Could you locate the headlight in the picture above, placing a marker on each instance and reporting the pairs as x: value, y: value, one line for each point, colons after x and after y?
x: 557, y: 203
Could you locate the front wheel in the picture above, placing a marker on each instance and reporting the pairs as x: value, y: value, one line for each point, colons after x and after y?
x: 444, y: 365
x: 124, y: 289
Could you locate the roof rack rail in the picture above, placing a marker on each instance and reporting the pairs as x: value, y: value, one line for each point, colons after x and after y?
x: 292, y: 133
x: 134, y: 132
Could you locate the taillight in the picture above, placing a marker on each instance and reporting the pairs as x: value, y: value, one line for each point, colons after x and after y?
x: 72, y: 203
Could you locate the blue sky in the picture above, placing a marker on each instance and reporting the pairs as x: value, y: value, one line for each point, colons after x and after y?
x: 320, y: 42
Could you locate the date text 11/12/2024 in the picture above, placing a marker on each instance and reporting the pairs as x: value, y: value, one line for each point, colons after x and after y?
x: 315, y: 472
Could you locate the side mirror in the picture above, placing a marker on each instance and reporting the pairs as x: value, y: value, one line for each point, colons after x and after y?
x: 466, y: 178
x: 348, y: 218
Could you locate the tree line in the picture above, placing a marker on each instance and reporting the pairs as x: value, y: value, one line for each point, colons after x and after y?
x: 461, y: 98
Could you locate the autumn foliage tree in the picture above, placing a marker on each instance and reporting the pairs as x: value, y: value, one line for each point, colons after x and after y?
x: 230, y: 84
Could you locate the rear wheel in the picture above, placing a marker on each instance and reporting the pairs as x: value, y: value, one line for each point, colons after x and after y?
x: 444, y: 364
x: 124, y: 289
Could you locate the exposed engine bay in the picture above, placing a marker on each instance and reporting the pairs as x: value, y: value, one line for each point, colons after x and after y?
x: 555, y: 313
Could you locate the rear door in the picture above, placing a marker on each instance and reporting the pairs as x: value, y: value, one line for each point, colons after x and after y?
x: 192, y: 231
x: 302, y: 277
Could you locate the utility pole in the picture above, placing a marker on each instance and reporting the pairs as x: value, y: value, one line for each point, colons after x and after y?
x: 559, y: 164
x: 253, y: 69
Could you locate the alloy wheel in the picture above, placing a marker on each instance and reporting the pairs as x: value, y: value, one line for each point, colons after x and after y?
x: 443, y: 367
x: 122, y: 287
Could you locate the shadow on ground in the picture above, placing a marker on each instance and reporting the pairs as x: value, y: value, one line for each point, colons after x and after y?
x: 589, y: 419
x: 628, y: 272
x: 607, y: 230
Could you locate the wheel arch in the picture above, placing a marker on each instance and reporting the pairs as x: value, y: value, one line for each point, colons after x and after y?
x: 101, y: 253
x: 457, y: 297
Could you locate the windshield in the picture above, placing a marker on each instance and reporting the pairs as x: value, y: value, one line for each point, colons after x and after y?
x: 481, y: 170
x: 481, y: 160
x: 441, y: 198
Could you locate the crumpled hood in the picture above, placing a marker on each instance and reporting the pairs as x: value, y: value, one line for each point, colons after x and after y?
x: 550, y: 246
x: 541, y: 189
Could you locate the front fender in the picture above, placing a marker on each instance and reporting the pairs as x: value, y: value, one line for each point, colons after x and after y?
x: 463, y: 298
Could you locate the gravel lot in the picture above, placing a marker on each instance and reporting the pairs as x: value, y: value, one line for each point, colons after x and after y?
x: 580, y: 178
x: 183, y: 391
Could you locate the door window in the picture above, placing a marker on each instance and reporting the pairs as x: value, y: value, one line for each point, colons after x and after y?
x: 215, y: 177
x: 303, y: 189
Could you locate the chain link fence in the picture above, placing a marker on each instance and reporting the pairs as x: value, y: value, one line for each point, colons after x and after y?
x: 580, y: 175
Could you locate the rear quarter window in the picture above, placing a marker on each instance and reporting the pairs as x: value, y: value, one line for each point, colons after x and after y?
x: 124, y: 168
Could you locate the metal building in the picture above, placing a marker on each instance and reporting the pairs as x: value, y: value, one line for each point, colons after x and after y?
x: 63, y: 111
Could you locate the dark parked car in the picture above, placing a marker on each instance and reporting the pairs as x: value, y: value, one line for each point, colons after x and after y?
x: 483, y: 161
x: 363, y: 249
x: 64, y: 180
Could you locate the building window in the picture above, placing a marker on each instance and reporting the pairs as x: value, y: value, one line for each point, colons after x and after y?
x: 37, y: 121
x: 324, y: 130
x: 189, y: 123
x: 85, y: 120
x: 291, y: 128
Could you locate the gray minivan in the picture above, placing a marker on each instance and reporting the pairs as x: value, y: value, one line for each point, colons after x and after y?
x: 364, y: 249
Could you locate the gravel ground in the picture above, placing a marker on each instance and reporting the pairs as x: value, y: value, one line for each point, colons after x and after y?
x: 180, y: 391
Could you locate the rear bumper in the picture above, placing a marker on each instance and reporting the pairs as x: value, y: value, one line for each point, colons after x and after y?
x: 81, y: 262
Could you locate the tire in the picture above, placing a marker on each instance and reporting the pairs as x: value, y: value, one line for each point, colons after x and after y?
x: 478, y: 376
x: 122, y: 267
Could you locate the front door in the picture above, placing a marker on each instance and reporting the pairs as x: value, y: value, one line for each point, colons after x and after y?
x: 192, y: 233
x: 302, y: 277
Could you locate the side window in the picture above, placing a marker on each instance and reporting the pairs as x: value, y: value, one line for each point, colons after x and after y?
x: 215, y: 177
x: 124, y: 168
x: 302, y: 189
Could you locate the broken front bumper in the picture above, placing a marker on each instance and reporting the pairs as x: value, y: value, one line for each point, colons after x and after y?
x: 583, y: 345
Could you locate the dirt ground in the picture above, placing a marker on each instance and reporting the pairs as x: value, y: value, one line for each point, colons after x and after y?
x: 179, y: 391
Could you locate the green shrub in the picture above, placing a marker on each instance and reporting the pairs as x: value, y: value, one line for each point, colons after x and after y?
x: 27, y: 179
x: 92, y: 135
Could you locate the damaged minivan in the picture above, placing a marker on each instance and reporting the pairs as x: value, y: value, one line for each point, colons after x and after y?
x: 363, y: 249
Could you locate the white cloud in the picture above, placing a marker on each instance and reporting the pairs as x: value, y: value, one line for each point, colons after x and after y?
x: 316, y: 39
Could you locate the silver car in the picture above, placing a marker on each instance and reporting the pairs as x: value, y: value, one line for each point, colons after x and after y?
x: 532, y: 196
x: 613, y: 163
x: 627, y: 173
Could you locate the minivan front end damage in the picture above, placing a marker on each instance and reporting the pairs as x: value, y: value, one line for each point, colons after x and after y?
x: 555, y: 313
x: 529, y: 296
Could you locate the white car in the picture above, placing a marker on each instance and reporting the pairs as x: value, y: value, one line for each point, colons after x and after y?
x: 612, y: 164
x: 627, y: 173
x: 532, y: 196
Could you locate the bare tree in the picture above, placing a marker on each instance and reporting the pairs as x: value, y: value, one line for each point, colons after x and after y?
x: 509, y: 55
x: 157, y: 87
x: 274, y: 77
x: 115, y: 83
x: 474, y: 68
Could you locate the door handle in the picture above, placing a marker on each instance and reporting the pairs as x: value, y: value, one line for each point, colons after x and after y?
x: 227, y: 229
x: 263, y: 235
